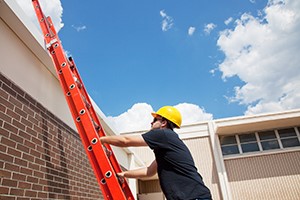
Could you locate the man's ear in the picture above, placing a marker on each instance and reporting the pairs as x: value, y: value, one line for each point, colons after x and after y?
x: 164, y: 123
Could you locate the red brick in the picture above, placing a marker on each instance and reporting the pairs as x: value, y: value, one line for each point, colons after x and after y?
x: 18, y: 89
x: 32, y: 179
x: 26, y: 171
x: 29, y: 144
x: 16, y: 192
x: 4, y: 132
x: 19, y: 177
x: 17, y: 138
x: 26, y: 122
x: 18, y: 124
x: 30, y: 193
x: 38, y: 130
x: 38, y: 174
x: 12, y: 167
x: 35, y: 153
x: 15, y: 102
x: 39, y: 161
x: 5, y: 173
x: 43, y: 195
x: 24, y: 135
x: 31, y: 132
x: 34, y: 166
x: 9, y: 198
x: 5, y: 117
x: 24, y: 185
x: 6, y: 157
x: 10, y: 128
x: 6, y: 103
x: 2, y: 108
x: 28, y: 110
x: 8, y: 142
x: 9, y: 90
x: 9, y: 182
x: 21, y: 112
x: 3, y: 148
x: 3, y: 94
x: 21, y: 162
x: 28, y: 157
x: 23, y: 100
x: 22, y: 148
x: 37, y: 187
x: 14, y: 152
x: 3, y: 190
x: 33, y: 120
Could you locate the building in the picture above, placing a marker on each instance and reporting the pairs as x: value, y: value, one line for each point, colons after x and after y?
x: 41, y: 155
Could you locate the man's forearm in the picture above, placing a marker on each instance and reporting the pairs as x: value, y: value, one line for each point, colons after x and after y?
x: 136, y: 173
x: 119, y: 141
x: 141, y: 172
x: 124, y: 140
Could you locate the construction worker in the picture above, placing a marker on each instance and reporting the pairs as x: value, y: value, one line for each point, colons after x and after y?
x: 173, y: 162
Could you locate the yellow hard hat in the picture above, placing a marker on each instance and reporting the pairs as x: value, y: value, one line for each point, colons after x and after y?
x: 170, y: 113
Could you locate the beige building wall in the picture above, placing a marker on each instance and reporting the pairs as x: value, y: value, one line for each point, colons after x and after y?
x: 271, y: 176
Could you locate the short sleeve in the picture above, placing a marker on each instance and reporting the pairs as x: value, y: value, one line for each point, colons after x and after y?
x: 155, y: 139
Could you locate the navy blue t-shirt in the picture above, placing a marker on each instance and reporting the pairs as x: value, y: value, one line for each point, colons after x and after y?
x: 176, y: 170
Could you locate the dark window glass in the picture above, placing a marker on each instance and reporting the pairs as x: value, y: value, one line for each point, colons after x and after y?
x: 271, y: 144
x: 230, y: 149
x: 247, y: 137
x: 290, y: 132
x: 266, y: 135
x: 250, y: 147
x: 227, y: 140
x: 291, y: 142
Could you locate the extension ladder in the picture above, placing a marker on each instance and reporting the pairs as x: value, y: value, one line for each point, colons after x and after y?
x: 101, y: 157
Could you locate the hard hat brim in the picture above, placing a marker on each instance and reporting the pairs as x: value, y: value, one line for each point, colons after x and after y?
x: 154, y: 114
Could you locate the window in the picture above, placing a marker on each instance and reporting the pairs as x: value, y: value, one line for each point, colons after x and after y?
x: 268, y: 140
x: 229, y: 145
x: 260, y: 141
x: 248, y: 142
x: 288, y: 137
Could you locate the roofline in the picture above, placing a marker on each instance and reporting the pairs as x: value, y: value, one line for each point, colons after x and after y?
x: 252, y: 123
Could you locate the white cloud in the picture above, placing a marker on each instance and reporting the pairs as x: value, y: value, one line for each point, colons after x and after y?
x: 167, y: 21
x: 139, y: 117
x: 51, y: 8
x: 79, y: 28
x: 228, y: 21
x: 192, y: 113
x: 263, y: 53
x: 191, y: 30
x: 209, y: 27
x: 136, y: 118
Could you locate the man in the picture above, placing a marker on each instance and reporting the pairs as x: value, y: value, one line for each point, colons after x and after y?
x: 173, y: 162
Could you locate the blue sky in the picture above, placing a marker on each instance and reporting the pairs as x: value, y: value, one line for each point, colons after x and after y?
x: 210, y: 59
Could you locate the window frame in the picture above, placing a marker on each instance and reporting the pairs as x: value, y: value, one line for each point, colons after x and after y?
x: 259, y: 142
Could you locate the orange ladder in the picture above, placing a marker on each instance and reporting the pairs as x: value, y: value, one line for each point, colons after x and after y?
x: 101, y: 157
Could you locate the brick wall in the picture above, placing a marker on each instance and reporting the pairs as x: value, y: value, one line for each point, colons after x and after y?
x: 40, y: 156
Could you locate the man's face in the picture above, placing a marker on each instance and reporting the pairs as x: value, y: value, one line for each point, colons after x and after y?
x: 157, y: 122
